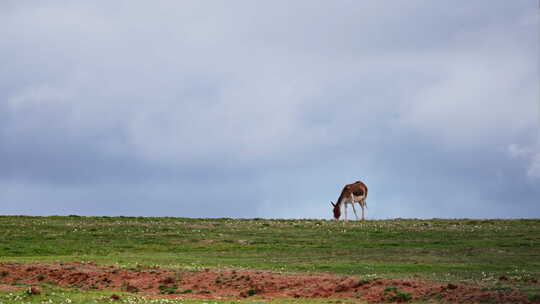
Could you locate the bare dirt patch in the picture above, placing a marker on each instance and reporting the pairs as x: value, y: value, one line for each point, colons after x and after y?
x: 228, y: 283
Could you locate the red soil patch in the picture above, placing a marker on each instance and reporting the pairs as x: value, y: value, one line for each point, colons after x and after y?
x: 219, y: 284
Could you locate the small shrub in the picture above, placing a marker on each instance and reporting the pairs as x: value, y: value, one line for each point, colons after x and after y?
x: 390, y: 289
x: 163, y: 289
x: 40, y: 277
x: 392, y: 293
x: 402, y: 296
x: 533, y: 296
x: 249, y: 293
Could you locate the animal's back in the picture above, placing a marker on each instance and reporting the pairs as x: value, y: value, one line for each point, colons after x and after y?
x: 358, y: 189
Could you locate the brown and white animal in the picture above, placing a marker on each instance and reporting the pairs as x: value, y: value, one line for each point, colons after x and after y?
x: 351, y: 193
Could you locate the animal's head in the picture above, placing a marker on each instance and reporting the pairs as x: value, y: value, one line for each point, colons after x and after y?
x: 336, y: 210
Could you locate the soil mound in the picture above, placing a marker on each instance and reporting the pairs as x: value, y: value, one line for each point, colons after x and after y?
x: 230, y: 283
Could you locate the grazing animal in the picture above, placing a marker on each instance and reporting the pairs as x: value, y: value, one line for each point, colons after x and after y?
x: 351, y: 193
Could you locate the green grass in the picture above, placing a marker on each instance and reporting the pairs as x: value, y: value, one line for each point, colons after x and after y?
x: 75, y: 296
x: 439, y: 249
x: 461, y: 249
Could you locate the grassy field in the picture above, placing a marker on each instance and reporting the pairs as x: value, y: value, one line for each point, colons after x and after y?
x: 438, y: 249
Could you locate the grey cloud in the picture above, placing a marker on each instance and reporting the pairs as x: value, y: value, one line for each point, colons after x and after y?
x: 268, y: 108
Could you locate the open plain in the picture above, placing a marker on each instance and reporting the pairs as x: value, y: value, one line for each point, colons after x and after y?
x: 73, y: 259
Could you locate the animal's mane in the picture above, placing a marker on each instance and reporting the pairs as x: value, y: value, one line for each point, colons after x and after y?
x: 341, y: 195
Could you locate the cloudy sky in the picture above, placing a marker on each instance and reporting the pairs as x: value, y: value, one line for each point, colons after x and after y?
x: 267, y: 108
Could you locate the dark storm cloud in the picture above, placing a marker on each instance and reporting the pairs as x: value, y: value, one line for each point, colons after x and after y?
x: 268, y: 108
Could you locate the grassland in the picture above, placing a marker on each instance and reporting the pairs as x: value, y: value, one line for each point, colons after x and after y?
x: 438, y: 249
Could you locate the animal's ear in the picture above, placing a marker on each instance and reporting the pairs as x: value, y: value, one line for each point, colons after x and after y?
x: 332, y: 203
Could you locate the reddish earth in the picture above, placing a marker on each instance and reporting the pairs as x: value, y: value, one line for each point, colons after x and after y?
x: 227, y: 284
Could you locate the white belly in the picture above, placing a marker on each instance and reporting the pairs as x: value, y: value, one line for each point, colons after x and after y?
x: 357, y: 199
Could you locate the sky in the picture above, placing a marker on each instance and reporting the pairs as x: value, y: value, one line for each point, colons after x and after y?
x: 267, y: 109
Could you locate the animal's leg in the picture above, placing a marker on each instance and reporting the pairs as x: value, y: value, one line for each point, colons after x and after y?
x: 346, y: 219
x: 363, y: 204
x: 353, y: 209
